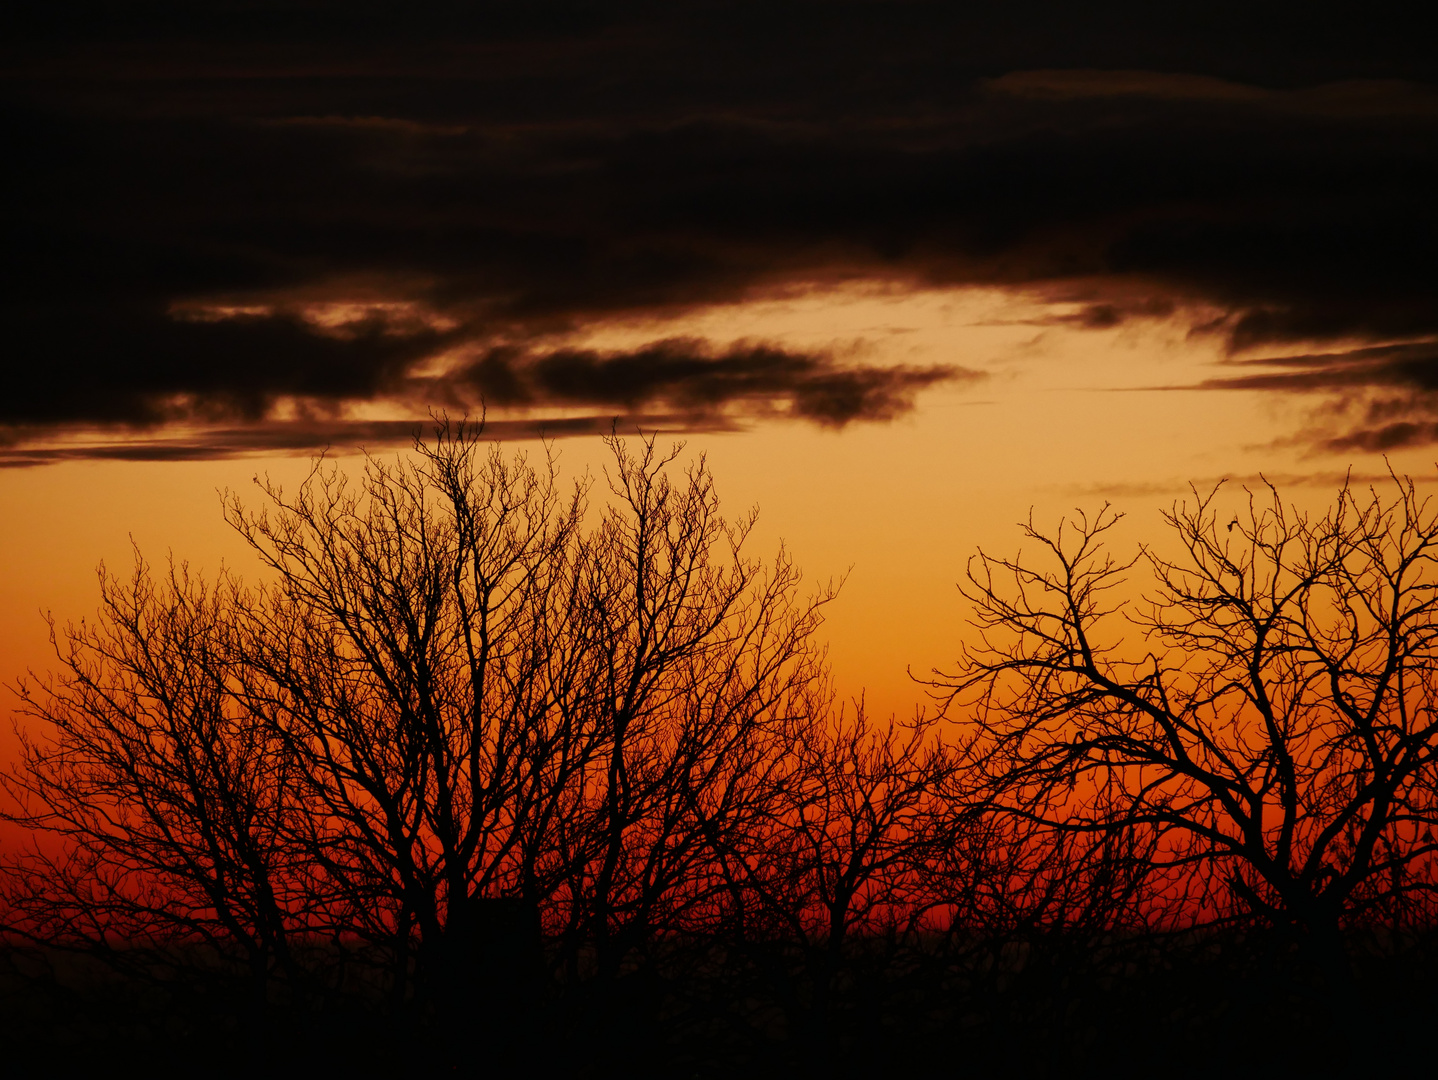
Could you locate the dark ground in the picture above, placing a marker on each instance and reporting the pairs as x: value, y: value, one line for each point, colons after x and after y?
x: 1201, y: 1007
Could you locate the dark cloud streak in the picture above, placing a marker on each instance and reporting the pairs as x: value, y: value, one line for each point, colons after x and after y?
x: 688, y: 374
x: 1375, y: 399
x: 305, y: 437
x: 90, y: 364
x: 1410, y: 365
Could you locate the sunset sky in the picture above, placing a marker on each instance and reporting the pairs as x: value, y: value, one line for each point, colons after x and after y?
x: 902, y: 273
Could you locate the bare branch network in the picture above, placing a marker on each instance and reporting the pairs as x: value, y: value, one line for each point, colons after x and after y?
x: 1272, y: 739
x: 473, y: 740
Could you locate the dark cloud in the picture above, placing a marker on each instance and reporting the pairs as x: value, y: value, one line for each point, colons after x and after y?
x: 689, y: 375
x: 88, y: 363
x: 1180, y: 487
x: 1411, y: 365
x: 1113, y: 311
x: 1374, y: 399
x: 304, y: 437
x: 519, y: 171
x: 1383, y: 439
x: 674, y: 385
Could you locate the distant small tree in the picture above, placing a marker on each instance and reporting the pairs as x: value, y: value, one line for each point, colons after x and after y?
x: 836, y: 866
x: 1271, y: 734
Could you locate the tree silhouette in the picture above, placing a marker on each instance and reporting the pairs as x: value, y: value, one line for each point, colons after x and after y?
x: 454, y: 686
x: 838, y: 864
x: 415, y: 647
x: 702, y: 660
x: 1273, y: 736
x: 510, y: 764
x: 169, y: 807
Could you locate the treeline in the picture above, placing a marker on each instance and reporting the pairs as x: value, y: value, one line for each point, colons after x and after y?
x: 479, y: 766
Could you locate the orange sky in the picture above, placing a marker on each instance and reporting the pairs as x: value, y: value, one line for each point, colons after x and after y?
x: 1056, y: 416
x: 901, y: 277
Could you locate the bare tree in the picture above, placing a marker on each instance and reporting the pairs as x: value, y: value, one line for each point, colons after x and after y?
x: 162, y: 808
x: 485, y: 695
x: 1273, y: 736
x: 452, y: 685
x: 704, y: 658
x: 461, y: 703
x: 838, y: 862
x: 417, y: 650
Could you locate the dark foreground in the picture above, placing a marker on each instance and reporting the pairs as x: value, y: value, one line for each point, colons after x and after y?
x: 1200, y: 1005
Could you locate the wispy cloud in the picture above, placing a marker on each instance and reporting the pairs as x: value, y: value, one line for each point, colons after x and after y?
x: 1178, y: 487
x: 307, y: 437
x: 1412, y: 365
x: 1371, y: 399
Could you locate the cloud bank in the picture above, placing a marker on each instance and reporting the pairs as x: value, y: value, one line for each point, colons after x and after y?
x: 200, y: 225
